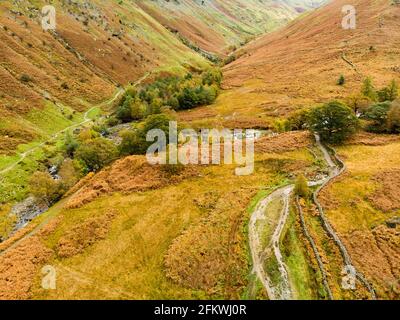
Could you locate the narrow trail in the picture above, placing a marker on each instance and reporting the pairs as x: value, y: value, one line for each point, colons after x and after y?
x: 86, y: 119
x: 283, y: 290
x: 258, y: 254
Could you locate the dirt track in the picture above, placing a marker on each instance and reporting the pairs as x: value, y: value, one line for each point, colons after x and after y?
x: 258, y: 254
x: 86, y: 119
x: 283, y: 291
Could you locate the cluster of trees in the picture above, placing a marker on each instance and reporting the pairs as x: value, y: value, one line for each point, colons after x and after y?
x: 334, y: 121
x: 177, y: 93
x: 90, y: 150
x: 79, y: 155
x: 388, y: 93
x: 49, y: 190
x: 134, y: 141
x: 383, y: 117
x: 374, y: 110
x: 382, y: 114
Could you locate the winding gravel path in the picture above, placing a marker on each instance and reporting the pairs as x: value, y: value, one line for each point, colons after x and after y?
x: 283, y: 291
x: 258, y: 253
x: 86, y: 119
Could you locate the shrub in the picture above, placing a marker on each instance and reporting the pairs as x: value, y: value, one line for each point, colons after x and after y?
x: 298, y: 120
x: 138, y: 109
x: 131, y: 91
x: 44, y: 187
x: 157, y: 121
x: 88, y: 134
x: 132, y: 143
x: 230, y: 59
x: 209, y: 94
x: 173, y: 102
x: 358, y: 102
x: 124, y: 110
x: 377, y: 114
x: 70, y: 145
x: 69, y: 174
x: 388, y: 93
x: 282, y: 125
x: 213, y: 76
x: 368, y: 90
x: 25, y: 78
x: 341, y: 81
x: 393, y: 118
x: 112, y: 121
x: 301, y: 188
x: 334, y: 122
x: 188, y: 98
x: 155, y: 106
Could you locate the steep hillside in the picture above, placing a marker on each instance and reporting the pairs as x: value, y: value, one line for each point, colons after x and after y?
x: 300, y: 64
x: 135, y: 231
x: 50, y: 81
x: 98, y: 45
x: 220, y: 25
x: 138, y: 231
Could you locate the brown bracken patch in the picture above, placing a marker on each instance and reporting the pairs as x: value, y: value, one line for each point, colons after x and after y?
x: 377, y: 254
x: 127, y: 175
x: 371, y: 139
x: 20, y: 264
x: 387, y: 197
x: 284, y: 142
x: 209, y: 255
x: 84, y: 235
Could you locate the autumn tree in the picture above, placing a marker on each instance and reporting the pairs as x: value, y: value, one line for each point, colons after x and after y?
x: 301, y: 188
x: 368, y: 90
x: 334, y: 122
x: 44, y: 187
x: 389, y: 93
x: 96, y: 153
x: 393, y: 118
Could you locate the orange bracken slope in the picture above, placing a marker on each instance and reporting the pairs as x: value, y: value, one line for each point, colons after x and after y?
x: 301, y: 63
